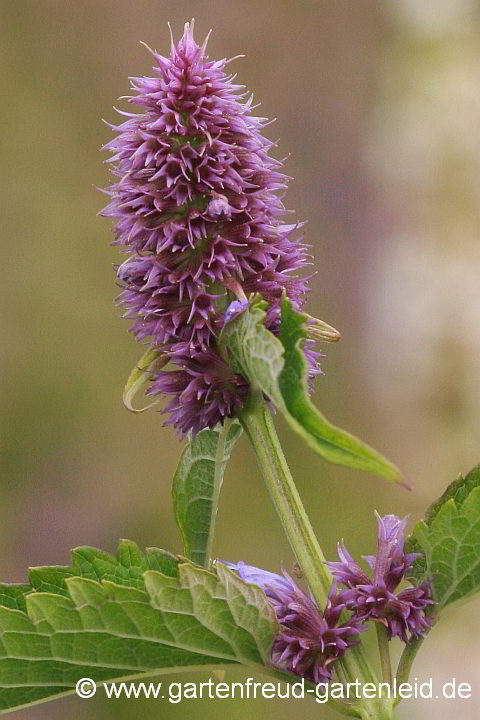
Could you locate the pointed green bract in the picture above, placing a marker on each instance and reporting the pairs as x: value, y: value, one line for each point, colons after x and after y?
x: 277, y: 366
x: 140, y: 377
x: 138, y: 613
x: 449, y: 542
x: 196, y: 487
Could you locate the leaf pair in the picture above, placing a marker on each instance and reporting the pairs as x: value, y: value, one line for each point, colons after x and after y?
x: 277, y: 366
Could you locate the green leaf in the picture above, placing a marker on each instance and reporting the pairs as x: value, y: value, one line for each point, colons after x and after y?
x: 121, y: 617
x: 277, y: 367
x: 125, y: 568
x: 449, y: 540
x: 231, y: 618
x: 196, y: 487
x: 13, y: 596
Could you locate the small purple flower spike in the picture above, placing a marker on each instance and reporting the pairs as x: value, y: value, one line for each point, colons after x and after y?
x: 375, y: 598
x: 310, y: 640
x: 197, y: 207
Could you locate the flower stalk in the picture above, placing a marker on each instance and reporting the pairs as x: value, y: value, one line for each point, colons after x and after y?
x: 406, y: 660
x: 258, y: 425
x: 385, y: 660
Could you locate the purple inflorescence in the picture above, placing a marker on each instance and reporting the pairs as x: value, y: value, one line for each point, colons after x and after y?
x: 197, y: 206
x: 310, y: 640
x: 375, y: 598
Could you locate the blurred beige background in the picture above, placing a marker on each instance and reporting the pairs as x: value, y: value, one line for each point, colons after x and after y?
x: 379, y: 105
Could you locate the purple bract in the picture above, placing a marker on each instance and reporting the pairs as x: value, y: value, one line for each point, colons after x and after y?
x: 310, y: 640
x: 374, y: 598
x: 197, y: 206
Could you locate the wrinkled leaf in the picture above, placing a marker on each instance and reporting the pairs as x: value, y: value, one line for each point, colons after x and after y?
x: 110, y: 617
x: 449, y: 541
x: 277, y: 366
x: 196, y: 487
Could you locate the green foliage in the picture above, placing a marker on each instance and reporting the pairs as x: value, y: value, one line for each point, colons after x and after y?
x: 109, y: 617
x: 277, y: 367
x: 218, y: 613
x: 196, y: 487
x: 449, y: 540
x: 13, y: 596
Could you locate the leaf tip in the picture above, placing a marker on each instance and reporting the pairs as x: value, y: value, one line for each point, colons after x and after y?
x: 405, y: 484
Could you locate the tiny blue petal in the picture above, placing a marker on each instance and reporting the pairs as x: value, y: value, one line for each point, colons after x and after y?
x: 259, y: 577
x: 235, y: 308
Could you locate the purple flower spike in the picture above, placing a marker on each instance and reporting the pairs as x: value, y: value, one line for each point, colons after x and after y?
x: 197, y: 207
x: 310, y: 640
x: 374, y: 598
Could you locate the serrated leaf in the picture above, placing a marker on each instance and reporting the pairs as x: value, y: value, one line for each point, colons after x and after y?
x: 449, y: 542
x: 124, y: 568
x: 239, y: 620
x: 196, y: 487
x: 13, y: 596
x: 104, y: 630
x: 277, y: 366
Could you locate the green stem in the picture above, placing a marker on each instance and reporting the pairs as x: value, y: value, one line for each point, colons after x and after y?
x: 406, y: 661
x: 409, y: 653
x: 259, y: 427
x: 385, y: 662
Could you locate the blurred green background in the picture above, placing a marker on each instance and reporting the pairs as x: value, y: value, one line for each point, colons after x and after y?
x: 378, y: 103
